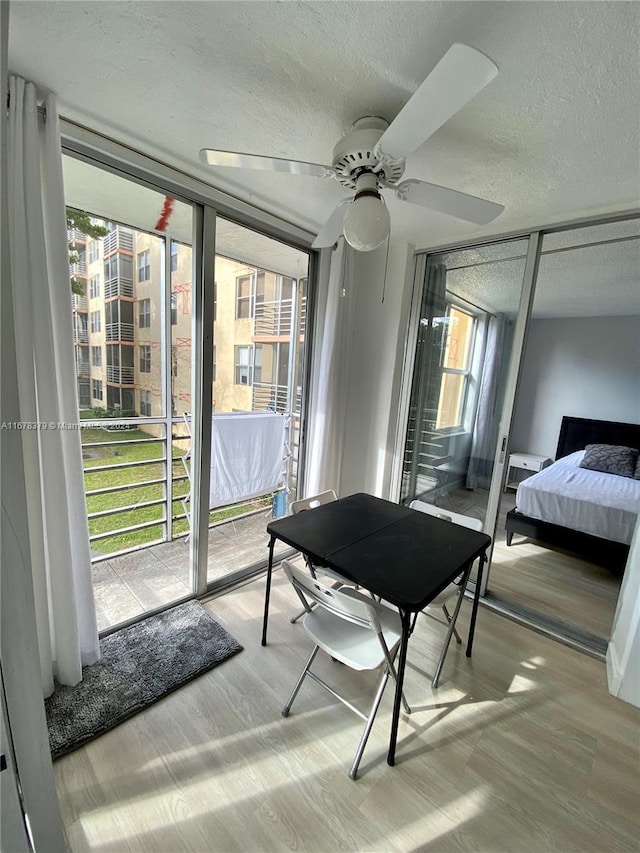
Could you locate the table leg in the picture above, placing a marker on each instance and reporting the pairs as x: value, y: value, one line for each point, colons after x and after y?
x: 476, y: 600
x: 404, y: 642
x: 267, y: 592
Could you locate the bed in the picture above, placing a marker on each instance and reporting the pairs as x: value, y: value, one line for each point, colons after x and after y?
x: 587, y: 512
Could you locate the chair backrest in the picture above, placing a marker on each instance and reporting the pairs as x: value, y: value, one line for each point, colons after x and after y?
x: 446, y: 515
x: 313, y: 501
x: 345, y: 602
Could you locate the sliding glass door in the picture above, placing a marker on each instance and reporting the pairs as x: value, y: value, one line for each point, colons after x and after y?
x: 467, y: 340
x: 259, y: 325
x: 130, y: 265
x: 189, y: 333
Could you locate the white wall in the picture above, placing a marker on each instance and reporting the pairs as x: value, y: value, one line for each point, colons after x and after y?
x: 585, y: 367
x: 623, y: 652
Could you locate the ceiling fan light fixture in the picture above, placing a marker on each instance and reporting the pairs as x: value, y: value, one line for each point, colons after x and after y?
x: 366, y: 222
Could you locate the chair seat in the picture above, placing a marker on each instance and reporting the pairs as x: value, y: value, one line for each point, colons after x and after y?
x: 352, y: 644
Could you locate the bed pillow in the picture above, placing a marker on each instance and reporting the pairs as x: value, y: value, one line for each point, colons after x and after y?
x: 611, y: 459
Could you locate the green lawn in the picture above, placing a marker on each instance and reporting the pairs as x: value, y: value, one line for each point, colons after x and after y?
x: 121, y: 452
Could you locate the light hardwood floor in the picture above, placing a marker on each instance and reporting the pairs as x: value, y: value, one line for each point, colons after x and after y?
x: 554, y: 583
x: 521, y: 750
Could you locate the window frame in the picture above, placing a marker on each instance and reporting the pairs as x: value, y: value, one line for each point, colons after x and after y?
x: 465, y: 372
x: 144, y: 265
x: 144, y: 358
x: 96, y: 351
x: 144, y: 313
x: 238, y: 365
x: 95, y: 322
x: 145, y: 403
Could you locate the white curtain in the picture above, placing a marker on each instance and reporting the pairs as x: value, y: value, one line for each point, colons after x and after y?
x: 57, y: 519
x: 329, y: 375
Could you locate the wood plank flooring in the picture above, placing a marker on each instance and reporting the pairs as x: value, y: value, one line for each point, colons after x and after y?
x: 557, y: 584
x: 521, y: 749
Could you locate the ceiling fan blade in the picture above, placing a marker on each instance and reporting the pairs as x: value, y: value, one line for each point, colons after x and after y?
x: 462, y: 206
x: 457, y: 78
x: 266, y: 164
x: 332, y: 228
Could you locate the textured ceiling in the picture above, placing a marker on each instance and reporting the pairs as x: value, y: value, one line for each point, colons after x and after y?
x: 555, y: 135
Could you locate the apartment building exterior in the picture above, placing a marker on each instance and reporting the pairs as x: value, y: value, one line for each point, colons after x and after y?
x: 120, y: 356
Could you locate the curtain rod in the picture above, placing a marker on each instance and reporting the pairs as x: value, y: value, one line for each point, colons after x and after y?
x: 42, y: 110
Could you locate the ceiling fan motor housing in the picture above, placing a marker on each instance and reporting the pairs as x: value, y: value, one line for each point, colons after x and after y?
x: 355, y: 153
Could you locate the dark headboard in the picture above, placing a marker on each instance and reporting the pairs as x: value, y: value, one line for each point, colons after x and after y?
x: 576, y: 433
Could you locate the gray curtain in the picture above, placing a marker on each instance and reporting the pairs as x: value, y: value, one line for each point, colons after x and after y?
x: 490, y: 397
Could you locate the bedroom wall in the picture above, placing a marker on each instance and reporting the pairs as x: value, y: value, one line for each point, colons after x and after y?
x: 585, y: 367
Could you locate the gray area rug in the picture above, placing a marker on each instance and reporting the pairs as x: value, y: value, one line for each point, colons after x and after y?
x: 139, y: 665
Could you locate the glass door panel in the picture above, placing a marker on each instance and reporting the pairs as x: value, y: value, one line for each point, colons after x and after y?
x: 129, y: 377
x: 470, y: 303
x: 259, y: 336
x: 580, y: 359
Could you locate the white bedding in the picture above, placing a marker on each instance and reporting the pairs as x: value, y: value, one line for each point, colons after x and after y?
x: 604, y: 505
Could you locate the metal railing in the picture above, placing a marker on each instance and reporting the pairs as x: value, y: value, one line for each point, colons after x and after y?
x: 273, y: 319
x: 78, y: 303
x: 76, y: 236
x: 80, y: 336
x: 120, y: 375
x: 79, y: 268
x: 119, y: 331
x: 119, y: 238
x: 118, y: 286
x: 266, y: 395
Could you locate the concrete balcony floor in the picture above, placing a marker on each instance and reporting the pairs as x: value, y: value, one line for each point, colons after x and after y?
x: 131, y: 584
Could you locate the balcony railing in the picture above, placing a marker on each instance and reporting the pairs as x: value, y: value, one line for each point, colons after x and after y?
x: 79, y: 268
x: 120, y: 238
x: 273, y: 319
x: 80, y: 336
x: 78, y: 303
x: 268, y: 396
x: 120, y: 375
x: 118, y: 286
x: 82, y: 369
x: 76, y: 236
x: 119, y: 331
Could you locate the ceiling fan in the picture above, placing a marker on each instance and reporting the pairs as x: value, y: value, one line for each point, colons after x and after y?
x: 371, y: 157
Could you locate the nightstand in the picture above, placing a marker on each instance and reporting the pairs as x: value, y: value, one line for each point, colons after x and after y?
x: 526, y: 461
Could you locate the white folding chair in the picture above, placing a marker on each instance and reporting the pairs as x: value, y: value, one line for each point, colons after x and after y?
x: 301, y: 505
x: 455, y: 589
x: 355, y: 630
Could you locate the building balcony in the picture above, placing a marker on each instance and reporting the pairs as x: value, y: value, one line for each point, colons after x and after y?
x: 120, y: 239
x: 273, y: 319
x: 270, y: 397
x: 119, y: 332
x: 115, y: 287
x: 78, y: 303
x: 80, y: 336
x: 79, y: 268
x: 76, y: 236
x: 120, y: 375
